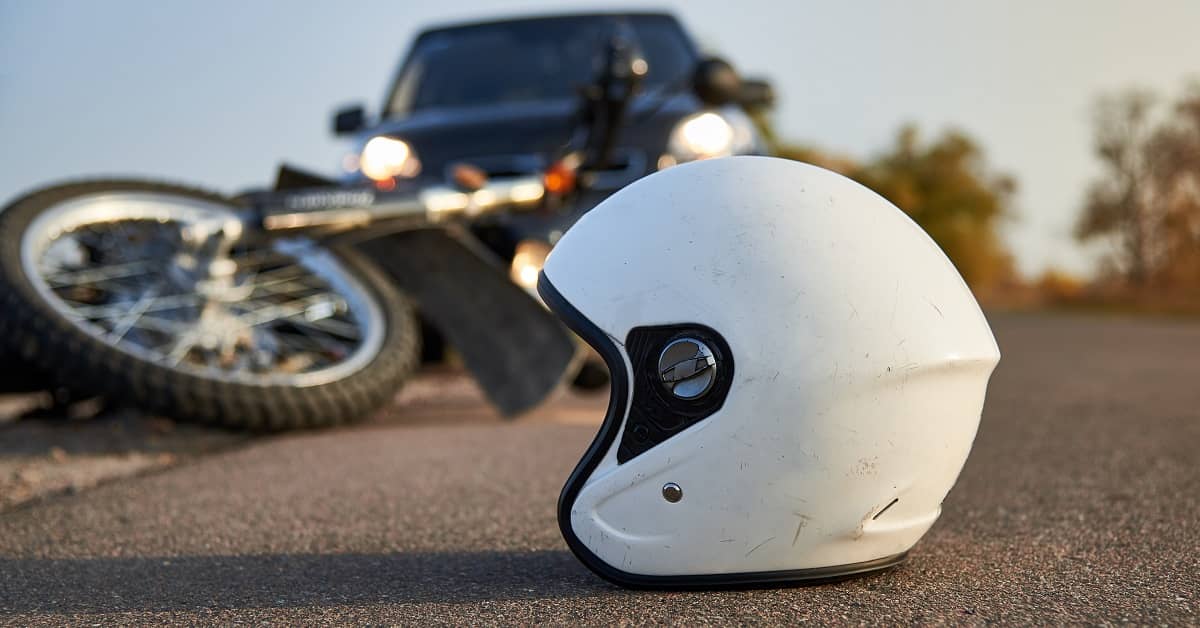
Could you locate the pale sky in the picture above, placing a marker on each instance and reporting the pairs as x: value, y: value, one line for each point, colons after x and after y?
x: 217, y: 93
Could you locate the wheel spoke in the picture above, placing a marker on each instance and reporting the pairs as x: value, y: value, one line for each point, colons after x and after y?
x: 98, y: 274
x: 287, y: 309
x: 114, y: 310
x: 284, y: 287
x: 131, y: 317
x: 181, y: 348
x: 162, y: 326
x: 341, y: 329
x: 269, y: 279
x: 304, y: 342
x: 260, y: 257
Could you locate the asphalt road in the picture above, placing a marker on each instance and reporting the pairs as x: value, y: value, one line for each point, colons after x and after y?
x: 1080, y: 503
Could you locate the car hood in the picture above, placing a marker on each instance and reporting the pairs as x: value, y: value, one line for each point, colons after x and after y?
x: 522, y: 137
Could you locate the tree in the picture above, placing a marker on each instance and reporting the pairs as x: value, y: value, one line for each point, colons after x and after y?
x: 1175, y: 148
x: 946, y: 188
x: 1120, y: 205
x: 1147, y: 201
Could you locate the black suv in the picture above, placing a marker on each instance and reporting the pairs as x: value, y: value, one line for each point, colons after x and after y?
x: 504, y: 97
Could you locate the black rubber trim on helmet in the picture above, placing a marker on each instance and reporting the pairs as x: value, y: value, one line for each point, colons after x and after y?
x: 655, y: 415
x: 618, y: 396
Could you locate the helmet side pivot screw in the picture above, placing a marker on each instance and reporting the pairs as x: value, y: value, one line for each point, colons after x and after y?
x: 672, y: 492
x: 687, y: 368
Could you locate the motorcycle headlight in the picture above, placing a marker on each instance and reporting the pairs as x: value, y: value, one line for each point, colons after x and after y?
x: 710, y: 134
x: 383, y: 158
x: 527, y: 263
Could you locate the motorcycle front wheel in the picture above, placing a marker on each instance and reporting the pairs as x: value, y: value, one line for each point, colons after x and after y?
x: 107, y: 286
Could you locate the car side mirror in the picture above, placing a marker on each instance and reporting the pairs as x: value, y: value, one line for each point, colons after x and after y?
x: 756, y: 95
x: 716, y: 83
x: 349, y: 120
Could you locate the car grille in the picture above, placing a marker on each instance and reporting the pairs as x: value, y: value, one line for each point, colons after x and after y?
x: 628, y: 166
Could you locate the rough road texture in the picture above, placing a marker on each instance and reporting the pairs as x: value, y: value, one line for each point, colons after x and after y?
x: 40, y: 457
x: 1080, y: 503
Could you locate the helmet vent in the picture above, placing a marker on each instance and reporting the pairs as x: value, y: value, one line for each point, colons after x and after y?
x: 885, y: 508
x: 681, y: 375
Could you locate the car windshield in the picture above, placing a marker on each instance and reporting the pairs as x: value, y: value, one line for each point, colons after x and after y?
x: 530, y: 60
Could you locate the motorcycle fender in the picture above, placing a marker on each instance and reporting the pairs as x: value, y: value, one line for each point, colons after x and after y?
x: 515, y: 348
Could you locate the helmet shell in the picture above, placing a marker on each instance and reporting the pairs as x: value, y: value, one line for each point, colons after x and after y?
x: 861, y: 361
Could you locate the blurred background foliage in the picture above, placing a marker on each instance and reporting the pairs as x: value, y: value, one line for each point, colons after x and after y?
x: 944, y: 185
x: 1143, y: 209
x: 1146, y: 205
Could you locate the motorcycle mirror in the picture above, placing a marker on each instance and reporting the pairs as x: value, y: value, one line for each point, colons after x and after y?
x: 716, y: 83
x: 349, y: 120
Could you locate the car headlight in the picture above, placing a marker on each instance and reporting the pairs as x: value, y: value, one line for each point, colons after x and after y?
x: 710, y: 134
x: 384, y: 158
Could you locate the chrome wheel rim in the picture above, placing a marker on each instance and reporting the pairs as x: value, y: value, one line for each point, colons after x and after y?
x: 119, y: 267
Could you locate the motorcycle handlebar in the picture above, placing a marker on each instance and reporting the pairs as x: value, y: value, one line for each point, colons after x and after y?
x: 346, y: 208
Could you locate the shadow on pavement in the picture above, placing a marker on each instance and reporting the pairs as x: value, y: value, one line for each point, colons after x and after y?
x: 265, y: 581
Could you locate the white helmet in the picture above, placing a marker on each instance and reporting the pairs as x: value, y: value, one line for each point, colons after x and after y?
x: 798, y: 373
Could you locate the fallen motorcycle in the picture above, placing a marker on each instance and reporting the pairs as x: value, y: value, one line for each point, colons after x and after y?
x: 182, y: 302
